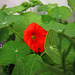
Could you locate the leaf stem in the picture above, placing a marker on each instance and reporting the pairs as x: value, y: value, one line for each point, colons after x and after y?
x: 43, y: 53
x: 14, y: 31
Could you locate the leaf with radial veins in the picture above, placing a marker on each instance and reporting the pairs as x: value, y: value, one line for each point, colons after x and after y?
x: 28, y: 65
x: 11, y: 51
x: 61, y: 13
x: 4, y: 32
x: 51, y: 47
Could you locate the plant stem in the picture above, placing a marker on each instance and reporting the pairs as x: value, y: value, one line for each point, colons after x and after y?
x: 43, y: 53
x: 70, y: 39
x: 14, y: 31
x: 68, y: 50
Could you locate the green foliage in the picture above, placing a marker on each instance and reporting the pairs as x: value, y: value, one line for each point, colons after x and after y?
x: 15, y: 9
x: 47, y: 59
x: 69, y: 29
x: 61, y: 13
x: 28, y: 65
x: 50, y: 47
x: 59, y: 55
x: 12, y: 51
x: 48, y: 7
x: 72, y: 4
x: 5, y: 19
x: 46, y: 19
x: 54, y: 26
x: 4, y: 32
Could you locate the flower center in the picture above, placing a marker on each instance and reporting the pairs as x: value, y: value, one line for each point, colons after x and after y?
x: 33, y: 37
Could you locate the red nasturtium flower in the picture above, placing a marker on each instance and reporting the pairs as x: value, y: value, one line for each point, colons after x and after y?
x: 34, y: 37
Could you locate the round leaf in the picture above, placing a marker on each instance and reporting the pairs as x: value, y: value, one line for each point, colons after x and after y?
x: 61, y: 13
x: 12, y: 51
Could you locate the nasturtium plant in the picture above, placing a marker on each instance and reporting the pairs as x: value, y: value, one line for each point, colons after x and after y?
x: 37, y: 44
x: 12, y: 51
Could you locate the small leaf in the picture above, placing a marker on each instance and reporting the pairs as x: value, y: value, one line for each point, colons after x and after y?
x: 11, y: 51
x: 50, y: 47
x: 49, y: 7
x: 59, y: 13
x: 72, y: 4
x: 15, y: 9
x: 4, y: 32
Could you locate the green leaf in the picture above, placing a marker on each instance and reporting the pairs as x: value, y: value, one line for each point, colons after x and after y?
x: 61, y: 13
x: 58, y: 27
x: 3, y: 7
x: 47, y: 59
x: 65, y: 45
x: 8, y: 19
x: 50, y: 47
x: 4, y: 32
x: 25, y: 4
x: 42, y: 8
x: 70, y: 29
x: 29, y: 17
x: 11, y: 51
x: 49, y: 7
x: 28, y: 65
x: 72, y: 4
x: 46, y: 18
x: 2, y: 17
x: 15, y: 9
